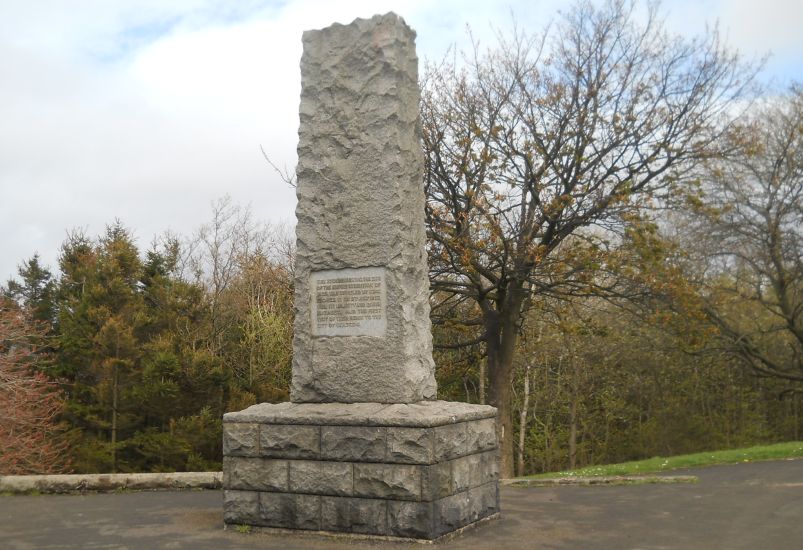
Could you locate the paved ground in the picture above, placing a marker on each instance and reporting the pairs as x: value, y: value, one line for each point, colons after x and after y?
x: 743, y: 506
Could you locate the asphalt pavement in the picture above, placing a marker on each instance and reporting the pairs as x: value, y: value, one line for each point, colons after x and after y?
x: 756, y: 506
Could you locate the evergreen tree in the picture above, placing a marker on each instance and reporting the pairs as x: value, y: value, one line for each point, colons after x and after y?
x: 35, y: 291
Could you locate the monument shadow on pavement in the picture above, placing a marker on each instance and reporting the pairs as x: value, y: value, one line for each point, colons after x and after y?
x: 362, y: 447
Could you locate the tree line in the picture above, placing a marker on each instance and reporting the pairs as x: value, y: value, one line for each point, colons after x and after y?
x: 605, y: 162
x: 146, y: 351
x: 613, y: 217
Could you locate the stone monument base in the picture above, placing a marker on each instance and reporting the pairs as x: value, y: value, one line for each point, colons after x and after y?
x: 418, y: 470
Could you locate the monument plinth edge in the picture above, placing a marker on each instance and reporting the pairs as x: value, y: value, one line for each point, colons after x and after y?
x: 423, y: 414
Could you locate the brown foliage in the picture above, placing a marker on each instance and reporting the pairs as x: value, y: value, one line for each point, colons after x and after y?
x: 31, y: 439
x: 538, y: 149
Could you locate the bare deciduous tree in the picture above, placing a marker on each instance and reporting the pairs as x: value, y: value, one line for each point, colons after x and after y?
x: 751, y: 237
x: 246, y: 269
x: 534, y: 142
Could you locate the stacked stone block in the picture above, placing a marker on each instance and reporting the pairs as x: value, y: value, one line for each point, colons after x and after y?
x: 408, y: 470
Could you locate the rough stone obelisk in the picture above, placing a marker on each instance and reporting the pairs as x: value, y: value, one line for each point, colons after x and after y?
x: 363, y: 446
x: 362, y: 330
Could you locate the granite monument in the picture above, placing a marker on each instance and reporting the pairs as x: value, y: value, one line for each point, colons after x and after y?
x: 363, y: 446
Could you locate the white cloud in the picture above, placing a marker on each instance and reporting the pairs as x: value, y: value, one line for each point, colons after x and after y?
x: 755, y: 29
x: 772, y: 25
x: 149, y: 110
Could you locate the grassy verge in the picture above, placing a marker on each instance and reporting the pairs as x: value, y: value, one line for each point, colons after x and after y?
x: 792, y: 449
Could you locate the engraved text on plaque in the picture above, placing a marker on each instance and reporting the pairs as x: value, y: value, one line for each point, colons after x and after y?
x: 349, y: 302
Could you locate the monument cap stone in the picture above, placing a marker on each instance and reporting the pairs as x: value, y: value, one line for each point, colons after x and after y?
x: 362, y: 328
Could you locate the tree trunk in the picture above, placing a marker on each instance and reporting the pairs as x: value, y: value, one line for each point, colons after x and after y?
x: 500, y: 398
x: 573, y: 435
x: 482, y: 383
x: 573, y: 415
x: 501, y: 336
x: 523, y: 419
x: 114, y: 418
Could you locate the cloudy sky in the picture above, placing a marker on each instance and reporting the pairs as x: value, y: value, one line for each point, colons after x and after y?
x: 148, y: 110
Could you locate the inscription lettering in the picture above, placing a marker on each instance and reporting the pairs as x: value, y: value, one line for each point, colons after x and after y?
x: 348, y: 302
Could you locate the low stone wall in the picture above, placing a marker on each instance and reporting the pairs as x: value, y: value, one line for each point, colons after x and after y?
x: 413, y: 471
x: 74, y: 483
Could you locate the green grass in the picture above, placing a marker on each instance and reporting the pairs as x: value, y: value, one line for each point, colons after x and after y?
x: 792, y: 449
x: 31, y: 493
